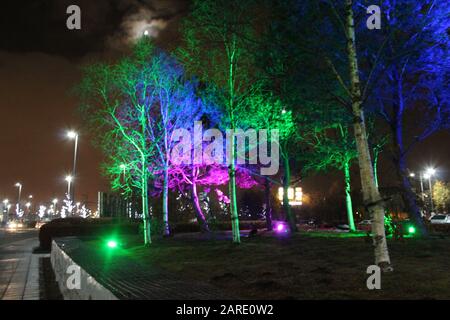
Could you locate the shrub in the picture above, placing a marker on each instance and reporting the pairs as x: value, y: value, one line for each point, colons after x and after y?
x: 84, y: 227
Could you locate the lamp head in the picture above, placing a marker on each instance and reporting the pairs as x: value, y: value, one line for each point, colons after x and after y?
x: 430, y: 172
x: 72, y: 134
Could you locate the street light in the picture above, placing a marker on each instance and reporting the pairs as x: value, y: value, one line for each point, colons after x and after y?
x: 428, y: 175
x: 55, y: 201
x: 73, y: 136
x: 69, y: 180
x: 18, y: 185
x: 5, y: 210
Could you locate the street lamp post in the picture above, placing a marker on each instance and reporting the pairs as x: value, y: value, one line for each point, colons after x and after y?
x: 429, y: 174
x: 28, y: 205
x: 18, y: 185
x: 73, y: 135
x: 55, y: 201
x: 5, y: 210
x: 69, y: 180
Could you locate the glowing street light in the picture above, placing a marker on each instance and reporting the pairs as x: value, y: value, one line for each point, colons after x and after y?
x: 73, y: 136
x: 54, y: 201
x: 69, y: 180
x: 18, y: 185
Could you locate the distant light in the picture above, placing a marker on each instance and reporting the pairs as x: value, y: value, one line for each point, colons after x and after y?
x: 412, y: 230
x: 146, y: 33
x: 123, y: 166
x: 55, y: 201
x: 72, y: 134
x: 28, y: 204
x: 112, y: 244
x: 12, y: 225
x: 430, y: 172
x: 412, y: 175
x: 284, y: 111
x: 5, y: 202
x: 295, y: 196
x: 69, y: 178
x: 18, y: 184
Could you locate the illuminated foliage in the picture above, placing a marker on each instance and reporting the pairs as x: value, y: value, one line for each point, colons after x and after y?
x: 217, y: 37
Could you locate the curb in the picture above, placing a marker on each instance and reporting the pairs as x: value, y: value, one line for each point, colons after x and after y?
x: 89, y: 288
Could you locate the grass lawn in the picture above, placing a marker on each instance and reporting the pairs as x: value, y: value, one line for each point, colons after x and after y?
x: 307, y: 266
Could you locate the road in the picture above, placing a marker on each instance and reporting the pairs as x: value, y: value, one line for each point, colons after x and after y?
x: 19, y: 268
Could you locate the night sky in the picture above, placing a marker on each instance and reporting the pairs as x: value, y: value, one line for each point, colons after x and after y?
x: 39, y: 65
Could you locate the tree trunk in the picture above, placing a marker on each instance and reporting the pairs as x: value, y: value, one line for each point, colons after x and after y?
x: 268, y: 205
x: 408, y: 196
x: 165, y: 205
x: 233, y: 201
x: 371, y: 195
x: 198, y: 209
x: 348, y: 197
x: 145, y: 211
x: 232, y: 55
x: 375, y: 167
x: 286, y: 206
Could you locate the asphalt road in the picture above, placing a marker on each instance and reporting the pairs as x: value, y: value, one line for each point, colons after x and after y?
x: 8, y: 236
x: 18, y: 270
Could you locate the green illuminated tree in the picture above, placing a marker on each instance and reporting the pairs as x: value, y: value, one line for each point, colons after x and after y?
x: 331, y: 145
x: 313, y: 57
x: 263, y: 111
x: 115, y: 104
x: 217, y: 38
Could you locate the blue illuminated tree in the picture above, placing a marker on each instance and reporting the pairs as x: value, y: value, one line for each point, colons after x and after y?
x: 408, y: 83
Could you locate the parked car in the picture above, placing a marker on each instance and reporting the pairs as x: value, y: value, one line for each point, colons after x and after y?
x: 440, y: 219
x: 365, y: 225
x: 343, y: 227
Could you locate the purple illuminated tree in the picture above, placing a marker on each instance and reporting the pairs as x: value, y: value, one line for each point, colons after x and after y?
x: 217, y: 37
x: 175, y: 106
x: 410, y: 77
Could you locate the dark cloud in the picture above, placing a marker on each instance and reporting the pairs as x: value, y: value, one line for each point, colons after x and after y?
x: 40, y: 25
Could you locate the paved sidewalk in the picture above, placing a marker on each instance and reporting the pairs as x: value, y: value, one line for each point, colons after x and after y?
x: 19, y: 270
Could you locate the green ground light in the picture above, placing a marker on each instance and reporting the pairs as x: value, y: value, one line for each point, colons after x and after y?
x: 411, y: 230
x: 112, y: 244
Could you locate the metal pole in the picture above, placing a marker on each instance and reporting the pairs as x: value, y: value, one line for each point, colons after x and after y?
x: 421, y: 187
x: 74, y: 167
x: 68, y: 187
x: 431, y: 194
x: 18, y: 200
